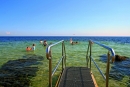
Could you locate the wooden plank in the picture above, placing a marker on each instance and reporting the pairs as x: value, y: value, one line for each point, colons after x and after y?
x: 95, y: 83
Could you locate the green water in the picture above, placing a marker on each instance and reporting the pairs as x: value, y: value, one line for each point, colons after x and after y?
x: 76, y: 55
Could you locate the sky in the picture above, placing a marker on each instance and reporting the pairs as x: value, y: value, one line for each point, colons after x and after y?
x: 64, y: 17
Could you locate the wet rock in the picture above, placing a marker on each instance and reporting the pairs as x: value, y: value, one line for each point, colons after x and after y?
x: 120, y: 58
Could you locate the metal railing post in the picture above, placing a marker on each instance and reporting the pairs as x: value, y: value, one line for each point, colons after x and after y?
x: 90, y: 43
x: 62, y: 55
x: 107, y: 69
x: 65, y: 56
x: 50, y: 73
x: 87, y: 59
x: 49, y: 57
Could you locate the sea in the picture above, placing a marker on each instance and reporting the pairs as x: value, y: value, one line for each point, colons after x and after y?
x: 21, y: 68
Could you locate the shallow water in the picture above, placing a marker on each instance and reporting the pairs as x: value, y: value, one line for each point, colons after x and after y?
x: 32, y: 67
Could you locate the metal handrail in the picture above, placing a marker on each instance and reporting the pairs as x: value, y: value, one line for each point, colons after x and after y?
x: 63, y: 59
x: 49, y: 57
x: 108, y: 48
x: 49, y: 48
x: 98, y: 69
x: 108, y: 60
x: 54, y: 70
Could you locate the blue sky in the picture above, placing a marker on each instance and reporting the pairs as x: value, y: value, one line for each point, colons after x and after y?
x: 64, y: 17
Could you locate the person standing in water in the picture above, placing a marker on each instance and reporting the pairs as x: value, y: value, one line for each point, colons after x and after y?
x: 71, y: 41
x: 33, y: 47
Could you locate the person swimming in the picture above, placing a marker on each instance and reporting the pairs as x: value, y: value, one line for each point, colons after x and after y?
x: 31, y: 48
x: 72, y: 42
x: 41, y: 41
x: 28, y: 48
x: 45, y: 43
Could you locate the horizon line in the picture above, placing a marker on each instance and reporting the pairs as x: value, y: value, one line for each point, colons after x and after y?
x: 64, y: 35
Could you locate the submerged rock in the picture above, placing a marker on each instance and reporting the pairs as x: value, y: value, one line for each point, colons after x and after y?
x: 17, y: 73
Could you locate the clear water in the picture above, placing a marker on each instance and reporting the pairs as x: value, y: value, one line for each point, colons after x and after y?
x: 21, y: 68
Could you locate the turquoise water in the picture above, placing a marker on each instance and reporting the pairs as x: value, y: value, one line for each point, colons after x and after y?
x: 21, y: 68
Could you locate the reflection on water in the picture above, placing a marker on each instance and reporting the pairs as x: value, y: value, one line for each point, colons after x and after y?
x: 17, y: 73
